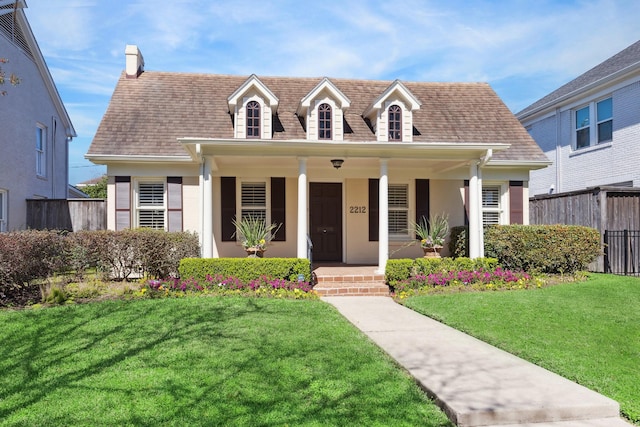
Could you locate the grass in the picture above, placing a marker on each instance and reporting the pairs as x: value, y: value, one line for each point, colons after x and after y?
x: 200, y: 361
x: 588, y: 332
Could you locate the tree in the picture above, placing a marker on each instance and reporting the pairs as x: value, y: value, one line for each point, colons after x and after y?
x: 97, y: 190
x: 13, y: 79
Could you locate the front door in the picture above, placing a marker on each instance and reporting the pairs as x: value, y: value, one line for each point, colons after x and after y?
x: 325, y: 220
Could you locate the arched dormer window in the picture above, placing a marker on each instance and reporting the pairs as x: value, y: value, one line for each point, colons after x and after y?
x: 395, y: 123
x: 253, y: 120
x: 324, y: 122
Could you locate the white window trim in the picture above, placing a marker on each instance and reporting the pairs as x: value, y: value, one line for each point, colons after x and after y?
x: 406, y: 236
x: 593, y: 123
x: 41, y: 155
x: 136, y: 200
x: 503, y: 201
x: 3, y: 210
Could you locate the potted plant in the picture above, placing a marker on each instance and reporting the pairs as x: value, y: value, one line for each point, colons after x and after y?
x: 432, y: 234
x: 255, y: 234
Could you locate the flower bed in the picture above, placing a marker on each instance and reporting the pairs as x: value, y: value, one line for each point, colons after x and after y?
x: 218, y: 285
x: 480, y: 280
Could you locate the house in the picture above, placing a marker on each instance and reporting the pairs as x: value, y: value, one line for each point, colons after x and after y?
x: 345, y: 165
x: 590, y: 128
x: 35, y: 127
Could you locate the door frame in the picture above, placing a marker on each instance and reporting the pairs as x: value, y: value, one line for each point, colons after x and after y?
x: 343, y: 236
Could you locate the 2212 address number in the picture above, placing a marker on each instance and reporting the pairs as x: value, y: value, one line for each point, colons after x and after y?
x: 358, y: 209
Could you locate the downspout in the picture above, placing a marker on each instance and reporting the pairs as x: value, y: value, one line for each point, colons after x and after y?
x: 53, y: 157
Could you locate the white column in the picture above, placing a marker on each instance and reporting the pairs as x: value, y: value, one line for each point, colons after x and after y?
x: 383, y: 222
x: 207, y: 209
x: 480, y: 220
x: 302, y: 208
x: 474, y: 212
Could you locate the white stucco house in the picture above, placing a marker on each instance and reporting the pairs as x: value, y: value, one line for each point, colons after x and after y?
x: 590, y: 128
x: 35, y: 128
x: 343, y: 163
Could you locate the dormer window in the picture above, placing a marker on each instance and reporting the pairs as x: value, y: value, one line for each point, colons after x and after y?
x: 253, y: 119
x: 395, y: 123
x: 324, y: 121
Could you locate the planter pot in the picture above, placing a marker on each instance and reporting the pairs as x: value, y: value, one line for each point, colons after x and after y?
x: 433, y: 252
x: 255, y: 252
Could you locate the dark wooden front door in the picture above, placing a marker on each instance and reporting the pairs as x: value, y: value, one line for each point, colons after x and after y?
x: 325, y: 220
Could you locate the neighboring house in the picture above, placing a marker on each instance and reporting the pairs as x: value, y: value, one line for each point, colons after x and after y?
x: 590, y: 128
x: 347, y: 164
x: 35, y: 128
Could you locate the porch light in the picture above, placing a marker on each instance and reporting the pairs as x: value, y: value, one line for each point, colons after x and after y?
x: 337, y: 163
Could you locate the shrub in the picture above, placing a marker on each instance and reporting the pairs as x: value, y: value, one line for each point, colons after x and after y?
x: 398, y: 270
x: 458, y: 245
x: 245, y: 269
x: 543, y: 248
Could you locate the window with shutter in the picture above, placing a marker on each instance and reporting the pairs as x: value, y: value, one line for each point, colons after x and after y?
x: 254, y: 200
x: 491, y: 204
x: 398, y: 210
x: 150, y: 205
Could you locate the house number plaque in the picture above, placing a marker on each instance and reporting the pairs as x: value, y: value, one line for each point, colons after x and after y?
x: 358, y: 209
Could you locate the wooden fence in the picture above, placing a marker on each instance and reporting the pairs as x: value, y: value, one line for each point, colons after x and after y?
x: 603, y: 208
x: 67, y: 214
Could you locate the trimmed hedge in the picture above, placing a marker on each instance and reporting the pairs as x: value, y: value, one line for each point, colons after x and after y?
x: 245, y: 269
x: 549, y: 249
x: 401, y: 269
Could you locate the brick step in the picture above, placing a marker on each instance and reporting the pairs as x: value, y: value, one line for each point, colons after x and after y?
x: 356, y: 285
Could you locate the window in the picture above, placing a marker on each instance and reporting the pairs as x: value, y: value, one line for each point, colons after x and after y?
x: 395, y: 123
x: 398, y: 210
x: 491, y: 204
x: 150, y: 205
x: 600, y: 113
x: 41, y: 151
x: 324, y: 121
x: 253, y: 119
x: 253, y: 200
x: 3, y: 210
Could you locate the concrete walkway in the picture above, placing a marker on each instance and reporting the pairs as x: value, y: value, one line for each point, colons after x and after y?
x: 474, y: 383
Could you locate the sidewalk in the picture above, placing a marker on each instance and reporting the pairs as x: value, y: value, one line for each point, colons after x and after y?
x: 474, y: 383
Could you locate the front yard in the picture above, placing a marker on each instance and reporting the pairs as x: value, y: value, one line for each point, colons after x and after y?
x: 200, y: 361
x: 588, y: 331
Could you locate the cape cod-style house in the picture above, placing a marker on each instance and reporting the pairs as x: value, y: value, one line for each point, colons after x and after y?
x: 345, y: 165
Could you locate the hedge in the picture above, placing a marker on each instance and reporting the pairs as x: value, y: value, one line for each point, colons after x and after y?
x: 245, y: 269
x: 401, y: 269
x: 550, y: 249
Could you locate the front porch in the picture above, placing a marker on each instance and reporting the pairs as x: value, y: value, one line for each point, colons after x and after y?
x: 337, y: 279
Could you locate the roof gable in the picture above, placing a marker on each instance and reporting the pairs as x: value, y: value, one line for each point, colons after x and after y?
x: 411, y: 101
x: 325, y: 85
x: 253, y: 82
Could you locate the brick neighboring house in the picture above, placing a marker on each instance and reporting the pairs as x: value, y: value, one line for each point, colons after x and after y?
x: 347, y: 163
x: 590, y: 128
x: 35, y: 128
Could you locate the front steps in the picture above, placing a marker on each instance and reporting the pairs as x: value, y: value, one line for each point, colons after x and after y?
x: 349, y: 281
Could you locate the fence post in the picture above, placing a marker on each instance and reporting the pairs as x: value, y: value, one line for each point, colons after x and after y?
x: 607, y: 266
x: 626, y: 252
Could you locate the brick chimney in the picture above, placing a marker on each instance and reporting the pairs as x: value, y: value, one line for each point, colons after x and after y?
x: 135, y: 62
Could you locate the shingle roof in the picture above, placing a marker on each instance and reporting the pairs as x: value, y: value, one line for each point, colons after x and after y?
x: 146, y: 115
x: 618, y: 62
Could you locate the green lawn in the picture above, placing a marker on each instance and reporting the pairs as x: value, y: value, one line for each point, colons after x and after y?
x: 200, y: 361
x: 588, y: 332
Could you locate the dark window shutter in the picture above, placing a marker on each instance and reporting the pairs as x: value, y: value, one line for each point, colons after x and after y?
x: 278, y: 201
x: 374, y: 208
x: 516, y: 208
x: 228, y: 207
x: 174, y: 203
x: 123, y: 202
x: 422, y: 200
x: 466, y: 202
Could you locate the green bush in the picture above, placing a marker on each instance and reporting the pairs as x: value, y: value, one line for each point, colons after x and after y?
x: 543, y: 248
x: 245, y: 269
x: 458, y: 246
x: 402, y: 269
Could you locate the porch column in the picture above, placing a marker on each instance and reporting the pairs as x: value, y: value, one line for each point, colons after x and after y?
x: 383, y: 212
x: 474, y: 213
x: 302, y: 208
x: 207, y: 209
x: 480, y: 216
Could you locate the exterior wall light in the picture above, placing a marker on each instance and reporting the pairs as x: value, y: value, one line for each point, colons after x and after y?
x: 337, y: 163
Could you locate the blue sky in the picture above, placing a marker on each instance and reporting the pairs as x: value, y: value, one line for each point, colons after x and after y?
x: 524, y: 49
